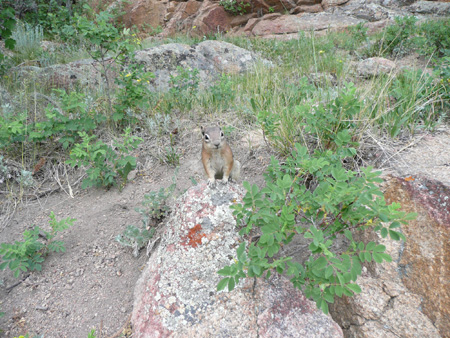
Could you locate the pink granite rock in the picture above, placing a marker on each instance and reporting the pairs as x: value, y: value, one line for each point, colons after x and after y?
x: 176, y: 295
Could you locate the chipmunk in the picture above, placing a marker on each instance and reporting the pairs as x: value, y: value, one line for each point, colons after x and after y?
x: 217, y: 157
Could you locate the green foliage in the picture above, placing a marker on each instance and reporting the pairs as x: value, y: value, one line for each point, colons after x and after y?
x: 443, y: 73
x: 61, y: 123
x: 221, y: 93
x: 134, y: 90
x: 235, y: 7
x: 397, y: 37
x: 434, y: 37
x: 106, y: 165
x: 106, y: 41
x: 92, y: 334
x: 30, y: 254
x: 154, y: 209
x: 184, y: 87
x: 28, y: 41
x: 7, y: 24
x: 311, y: 123
x: 416, y: 96
x: 313, y: 196
x: 57, y: 21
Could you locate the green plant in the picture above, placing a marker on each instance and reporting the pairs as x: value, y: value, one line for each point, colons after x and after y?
x: 398, y: 37
x: 28, y: 41
x: 106, y: 165
x: 443, y: 73
x: 61, y: 123
x: 235, y: 7
x: 315, y: 197
x: 105, y: 41
x: 416, y: 95
x: 134, y: 89
x: 310, y: 123
x: 30, y: 254
x: 92, y: 334
x: 434, y: 37
x: 155, y: 209
x: 221, y: 94
x: 7, y: 24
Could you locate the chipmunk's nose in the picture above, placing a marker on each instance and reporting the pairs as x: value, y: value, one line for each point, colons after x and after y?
x: 217, y: 144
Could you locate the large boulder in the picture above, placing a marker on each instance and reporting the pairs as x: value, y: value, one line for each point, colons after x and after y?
x: 409, y: 297
x: 145, y: 14
x: 211, y: 58
x: 198, y: 18
x: 430, y: 7
x: 176, y: 295
x: 288, y: 24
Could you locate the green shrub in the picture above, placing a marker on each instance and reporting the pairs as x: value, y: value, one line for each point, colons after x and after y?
x: 398, y: 37
x: 313, y: 196
x: 434, y: 37
x: 416, y: 95
x: 7, y: 24
x: 134, y: 91
x: 235, y: 7
x: 28, y: 41
x: 30, y: 254
x: 154, y: 209
x: 62, y: 123
x: 106, y: 166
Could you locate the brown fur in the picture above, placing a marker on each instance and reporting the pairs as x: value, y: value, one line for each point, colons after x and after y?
x: 217, y: 157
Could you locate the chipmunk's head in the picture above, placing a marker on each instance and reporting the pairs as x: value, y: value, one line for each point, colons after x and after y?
x: 213, y: 137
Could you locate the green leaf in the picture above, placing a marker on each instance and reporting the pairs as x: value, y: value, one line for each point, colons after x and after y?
x: 222, y: 284
x: 240, y: 252
x: 380, y: 248
x: 226, y: 271
x: 394, y: 235
x: 324, y: 307
x: 231, y: 284
x: 384, y: 232
x: 320, y: 263
x: 329, y: 271
x: 394, y: 225
x: 370, y: 246
x: 354, y: 287
x: 339, y: 290
x: 377, y: 258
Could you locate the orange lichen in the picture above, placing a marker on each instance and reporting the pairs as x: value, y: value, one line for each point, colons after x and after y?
x: 194, y: 236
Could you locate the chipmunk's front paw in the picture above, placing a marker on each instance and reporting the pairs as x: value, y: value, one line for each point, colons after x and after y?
x: 211, y: 182
x: 225, y: 180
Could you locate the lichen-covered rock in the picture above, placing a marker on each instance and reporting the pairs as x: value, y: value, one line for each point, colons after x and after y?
x: 176, y: 295
x: 84, y: 73
x: 409, y: 297
x: 210, y: 58
x: 430, y: 7
x: 375, y: 66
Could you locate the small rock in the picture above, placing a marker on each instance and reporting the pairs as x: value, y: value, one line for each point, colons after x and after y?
x: 375, y: 66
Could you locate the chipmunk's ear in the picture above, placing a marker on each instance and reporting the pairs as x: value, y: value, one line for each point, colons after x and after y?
x: 203, y: 130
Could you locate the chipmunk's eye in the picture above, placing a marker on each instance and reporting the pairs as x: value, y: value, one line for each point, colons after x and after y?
x: 206, y: 137
x: 221, y: 134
